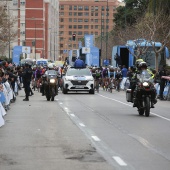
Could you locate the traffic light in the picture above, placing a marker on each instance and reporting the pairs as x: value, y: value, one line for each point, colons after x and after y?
x: 74, y: 37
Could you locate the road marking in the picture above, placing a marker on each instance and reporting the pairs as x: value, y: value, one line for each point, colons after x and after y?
x: 73, y: 115
x: 119, y: 161
x: 66, y: 108
x: 60, y: 103
x: 160, y: 116
x: 131, y: 106
x: 95, y: 138
x: 115, y: 100
x: 81, y: 124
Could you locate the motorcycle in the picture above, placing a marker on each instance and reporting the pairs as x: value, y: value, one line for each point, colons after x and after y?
x: 144, y: 94
x: 50, y: 84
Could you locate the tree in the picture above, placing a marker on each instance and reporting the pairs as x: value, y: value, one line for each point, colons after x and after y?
x: 7, y: 31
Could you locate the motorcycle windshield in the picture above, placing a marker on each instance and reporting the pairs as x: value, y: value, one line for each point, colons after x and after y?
x: 145, y: 76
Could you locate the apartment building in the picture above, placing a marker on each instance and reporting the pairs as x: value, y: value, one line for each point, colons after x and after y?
x: 82, y: 17
x: 37, y: 25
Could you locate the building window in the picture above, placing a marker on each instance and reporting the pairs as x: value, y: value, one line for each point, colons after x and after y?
x: 86, y: 20
x: 70, y: 45
x: 80, y: 8
x: 80, y: 26
x: 70, y: 13
x: 92, y: 32
x: 75, y: 7
x: 92, y: 20
x: 15, y: 2
x: 86, y: 8
x: 22, y: 2
x: 96, y: 14
x: 102, y: 8
x: 70, y: 26
x: 74, y: 46
x: 86, y: 32
x: 22, y: 24
x: 86, y: 27
x: 75, y: 26
x: 80, y: 14
x: 80, y: 20
x: 70, y: 7
x: 86, y: 14
x: 61, y: 32
x: 62, y: 7
x: 91, y: 26
x: 75, y: 19
x: 70, y: 19
x: 61, y: 26
x: 61, y: 45
x: 61, y: 20
x: 61, y: 13
x: 80, y: 33
x: 96, y: 26
x: 61, y: 38
x: 96, y: 20
x: 70, y: 32
x: 75, y: 13
x: 70, y: 39
x: 107, y: 27
x: 96, y: 33
x: 96, y: 8
x: 92, y: 14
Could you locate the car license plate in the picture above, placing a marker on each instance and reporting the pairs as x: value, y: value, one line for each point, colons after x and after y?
x: 79, y: 86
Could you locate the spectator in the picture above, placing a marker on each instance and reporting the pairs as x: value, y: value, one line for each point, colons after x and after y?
x: 162, y: 84
x: 124, y: 71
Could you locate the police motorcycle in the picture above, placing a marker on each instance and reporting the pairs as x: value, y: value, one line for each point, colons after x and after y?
x: 144, y: 94
x: 50, y: 82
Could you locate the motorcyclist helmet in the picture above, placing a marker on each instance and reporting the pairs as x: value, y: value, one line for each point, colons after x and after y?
x: 143, y: 65
x: 138, y: 61
x: 50, y: 66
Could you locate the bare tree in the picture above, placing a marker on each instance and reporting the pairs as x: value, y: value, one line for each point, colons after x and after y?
x: 7, y: 31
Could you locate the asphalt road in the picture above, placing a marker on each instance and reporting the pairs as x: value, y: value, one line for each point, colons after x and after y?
x: 83, y: 131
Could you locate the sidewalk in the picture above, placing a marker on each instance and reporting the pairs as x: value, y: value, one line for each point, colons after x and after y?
x: 38, y: 135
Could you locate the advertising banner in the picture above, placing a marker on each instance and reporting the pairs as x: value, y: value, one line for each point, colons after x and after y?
x: 89, y: 42
x: 17, y: 50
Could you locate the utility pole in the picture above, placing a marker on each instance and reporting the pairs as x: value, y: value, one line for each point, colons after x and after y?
x: 107, y: 32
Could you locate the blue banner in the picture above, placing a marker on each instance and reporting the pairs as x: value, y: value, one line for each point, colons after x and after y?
x: 17, y: 50
x: 80, y: 44
x: 89, y: 40
x: 95, y: 56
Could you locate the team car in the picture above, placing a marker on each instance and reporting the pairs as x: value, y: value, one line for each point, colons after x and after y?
x: 78, y: 79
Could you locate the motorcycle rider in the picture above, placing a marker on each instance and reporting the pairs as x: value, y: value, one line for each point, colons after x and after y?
x: 141, y: 67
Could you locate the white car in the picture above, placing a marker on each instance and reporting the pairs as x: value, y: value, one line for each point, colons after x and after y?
x: 78, y: 79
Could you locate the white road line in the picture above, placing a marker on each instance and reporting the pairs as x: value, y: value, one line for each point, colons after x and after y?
x: 115, y: 100
x: 60, y: 103
x: 131, y: 106
x: 81, y: 124
x: 95, y: 138
x: 119, y: 161
x: 73, y: 115
x: 66, y: 108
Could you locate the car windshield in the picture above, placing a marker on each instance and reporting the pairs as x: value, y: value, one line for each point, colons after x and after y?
x: 78, y: 72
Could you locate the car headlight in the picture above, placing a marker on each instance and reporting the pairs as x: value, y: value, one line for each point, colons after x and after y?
x: 52, y: 80
x: 145, y: 84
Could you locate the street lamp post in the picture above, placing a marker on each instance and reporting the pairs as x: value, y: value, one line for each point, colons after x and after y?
x: 107, y: 31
